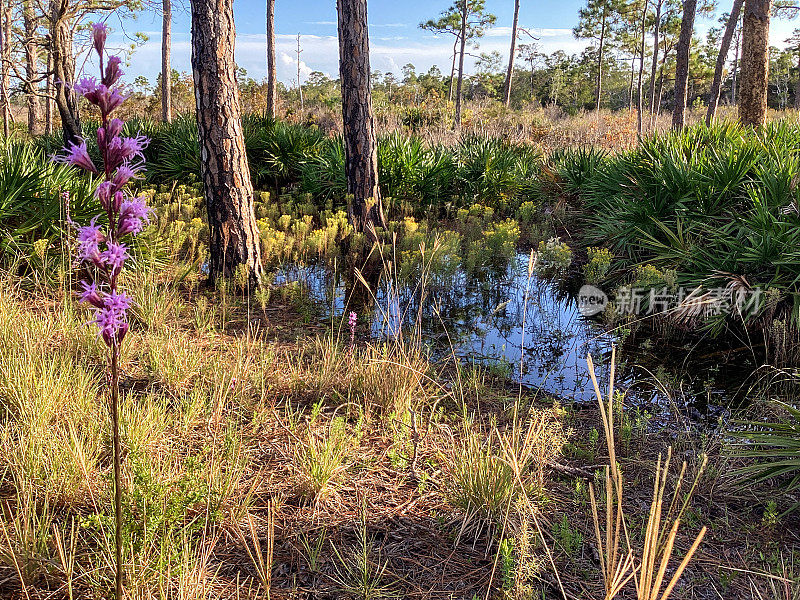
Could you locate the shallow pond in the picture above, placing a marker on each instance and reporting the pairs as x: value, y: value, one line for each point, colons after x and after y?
x: 531, y: 331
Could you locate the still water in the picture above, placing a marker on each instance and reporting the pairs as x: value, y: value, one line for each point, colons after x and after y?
x: 530, y: 329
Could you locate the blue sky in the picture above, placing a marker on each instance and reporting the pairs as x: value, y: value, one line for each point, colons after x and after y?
x: 395, y: 38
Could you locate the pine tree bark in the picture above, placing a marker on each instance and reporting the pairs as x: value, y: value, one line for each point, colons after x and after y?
x: 5, y: 57
x: 735, y: 75
x: 511, y: 55
x: 166, y: 65
x: 601, y: 47
x: 64, y: 72
x: 797, y: 86
x: 682, y: 64
x: 722, y: 58
x: 234, y: 238
x: 640, y: 81
x: 654, y: 67
x: 272, y: 73
x: 365, y: 208
x: 31, y: 84
x: 755, y: 62
x: 452, y: 70
x: 461, y: 52
x: 48, y: 92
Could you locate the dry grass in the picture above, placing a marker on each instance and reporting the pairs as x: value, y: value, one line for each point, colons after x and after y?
x: 264, y: 459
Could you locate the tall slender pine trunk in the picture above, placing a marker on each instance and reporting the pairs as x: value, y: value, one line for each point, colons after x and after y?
x: 722, y: 58
x: 599, y: 76
x: 682, y: 64
x: 640, y: 81
x: 234, y: 238
x: 166, y: 65
x: 735, y: 75
x: 511, y: 55
x: 5, y: 59
x: 31, y: 84
x: 272, y: 76
x: 797, y: 85
x: 453, y: 70
x: 630, y: 82
x: 48, y: 93
x: 462, y: 50
x: 654, y: 67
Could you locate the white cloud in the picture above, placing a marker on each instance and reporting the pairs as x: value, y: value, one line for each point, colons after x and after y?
x: 321, y: 52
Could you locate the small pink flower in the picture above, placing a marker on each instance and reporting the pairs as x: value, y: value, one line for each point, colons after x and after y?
x: 78, y: 156
x: 113, y: 72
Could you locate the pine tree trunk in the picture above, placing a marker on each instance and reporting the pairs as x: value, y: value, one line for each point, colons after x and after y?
x: 462, y: 50
x: 797, y: 86
x: 630, y: 83
x: 360, y: 144
x: 452, y: 70
x: 234, y: 238
x: 5, y: 57
x: 48, y: 93
x: 31, y: 85
x: 682, y: 64
x: 272, y: 73
x: 755, y: 62
x: 722, y: 58
x: 599, y: 77
x: 64, y: 73
x: 511, y: 54
x: 735, y: 75
x: 640, y: 82
x: 166, y: 66
x: 654, y: 67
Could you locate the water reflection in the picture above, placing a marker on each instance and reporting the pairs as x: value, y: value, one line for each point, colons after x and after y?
x: 493, y: 321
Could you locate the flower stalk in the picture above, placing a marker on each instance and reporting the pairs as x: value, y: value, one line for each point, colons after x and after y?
x: 100, y: 247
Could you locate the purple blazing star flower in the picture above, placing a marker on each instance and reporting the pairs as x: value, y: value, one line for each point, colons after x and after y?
x: 352, y: 320
x: 123, y: 175
x: 105, y: 99
x: 124, y: 159
x: 78, y: 156
x: 89, y: 238
x: 114, y: 127
x: 113, y: 72
x: 112, y: 317
x: 86, y: 85
x: 104, y: 193
x: 99, y: 35
x: 131, y: 215
x: 91, y: 295
x: 115, y: 256
x: 123, y: 149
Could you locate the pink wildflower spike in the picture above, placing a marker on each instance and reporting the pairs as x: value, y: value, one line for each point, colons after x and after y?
x: 123, y: 175
x: 91, y: 295
x: 89, y: 239
x: 99, y: 35
x: 114, y: 256
x: 87, y: 85
x: 78, y: 156
x: 122, y: 149
x: 113, y: 72
x: 132, y: 216
x: 114, y: 128
x: 104, y: 193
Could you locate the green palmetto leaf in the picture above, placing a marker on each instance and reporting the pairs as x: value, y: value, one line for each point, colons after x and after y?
x: 775, y: 447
